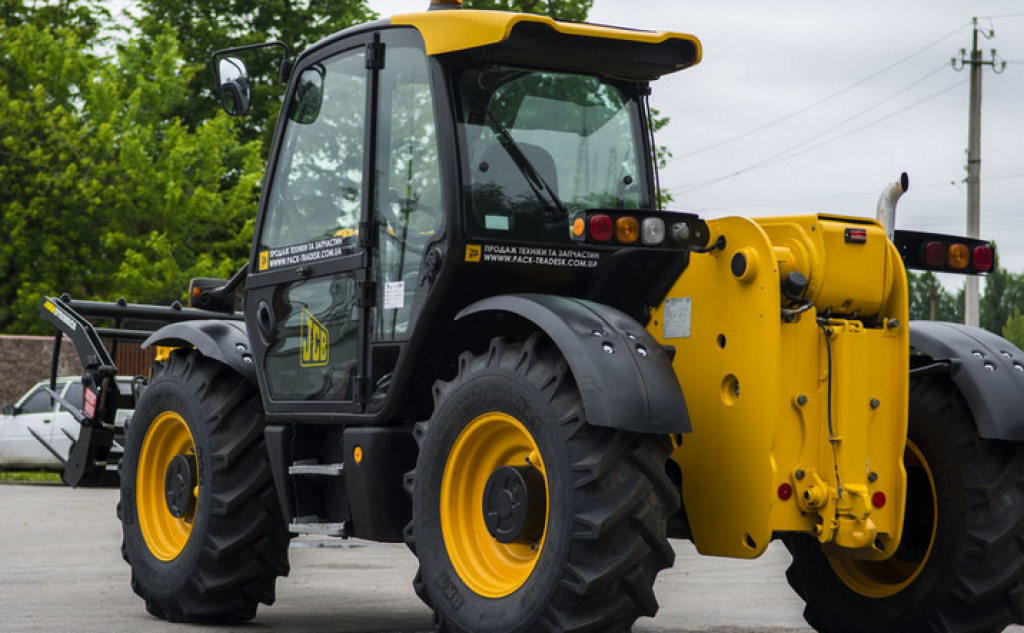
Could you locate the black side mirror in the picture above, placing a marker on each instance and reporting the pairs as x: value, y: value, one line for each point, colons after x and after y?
x: 308, y: 96
x: 10, y: 410
x: 233, y: 85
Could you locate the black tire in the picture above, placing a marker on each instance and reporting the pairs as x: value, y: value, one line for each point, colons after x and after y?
x: 609, y: 500
x: 238, y: 541
x: 970, y: 580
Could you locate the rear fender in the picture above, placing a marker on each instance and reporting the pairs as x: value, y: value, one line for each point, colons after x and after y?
x: 625, y: 377
x: 987, y: 369
x: 224, y: 341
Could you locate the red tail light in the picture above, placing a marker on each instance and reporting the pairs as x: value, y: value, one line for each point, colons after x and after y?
x: 601, y: 228
x: 934, y: 254
x: 982, y: 258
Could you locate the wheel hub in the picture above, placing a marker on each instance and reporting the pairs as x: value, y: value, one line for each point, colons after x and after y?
x: 179, y: 484
x: 514, y: 504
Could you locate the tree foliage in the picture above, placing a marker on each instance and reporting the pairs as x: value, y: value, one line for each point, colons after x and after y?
x: 105, y: 190
x: 1004, y: 292
x: 205, y: 27
x: 1013, y: 330
x: 929, y: 301
x: 575, y: 10
x: 1000, y: 303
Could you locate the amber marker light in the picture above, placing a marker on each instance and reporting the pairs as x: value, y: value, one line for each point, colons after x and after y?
x: 627, y: 230
x: 579, y: 227
x: 959, y: 256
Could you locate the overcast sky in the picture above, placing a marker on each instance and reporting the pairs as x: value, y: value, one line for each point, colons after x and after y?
x: 766, y: 61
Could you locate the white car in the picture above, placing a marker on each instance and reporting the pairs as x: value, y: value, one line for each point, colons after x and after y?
x: 36, y: 410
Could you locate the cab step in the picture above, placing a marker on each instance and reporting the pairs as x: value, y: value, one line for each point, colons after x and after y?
x: 312, y: 467
x: 312, y: 525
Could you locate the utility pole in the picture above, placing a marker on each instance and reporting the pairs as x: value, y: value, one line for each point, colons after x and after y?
x: 977, y: 64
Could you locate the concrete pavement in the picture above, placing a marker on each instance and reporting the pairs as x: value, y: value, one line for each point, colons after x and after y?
x: 61, y: 570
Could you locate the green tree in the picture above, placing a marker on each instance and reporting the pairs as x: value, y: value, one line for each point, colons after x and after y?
x: 1013, y: 330
x: 83, y: 17
x: 1004, y: 292
x: 576, y: 10
x: 104, y: 190
x: 205, y: 27
x: 929, y: 301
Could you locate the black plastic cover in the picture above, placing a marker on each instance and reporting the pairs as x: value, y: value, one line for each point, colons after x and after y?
x: 988, y: 370
x: 380, y: 506
x: 625, y: 377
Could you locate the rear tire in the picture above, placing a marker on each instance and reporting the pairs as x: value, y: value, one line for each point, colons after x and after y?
x: 220, y: 558
x: 606, y: 499
x: 962, y: 562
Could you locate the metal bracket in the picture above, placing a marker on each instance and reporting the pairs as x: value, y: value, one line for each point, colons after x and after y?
x: 375, y: 55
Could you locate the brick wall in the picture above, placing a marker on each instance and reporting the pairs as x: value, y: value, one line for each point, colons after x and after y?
x: 25, y: 360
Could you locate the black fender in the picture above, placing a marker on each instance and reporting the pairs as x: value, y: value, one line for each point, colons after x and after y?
x: 987, y: 369
x: 224, y: 341
x: 625, y: 377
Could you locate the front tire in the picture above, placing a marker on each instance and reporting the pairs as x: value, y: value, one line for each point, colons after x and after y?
x: 527, y: 518
x: 202, y: 527
x: 960, y: 567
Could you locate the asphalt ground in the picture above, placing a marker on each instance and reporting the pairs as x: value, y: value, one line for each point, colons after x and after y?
x: 61, y: 571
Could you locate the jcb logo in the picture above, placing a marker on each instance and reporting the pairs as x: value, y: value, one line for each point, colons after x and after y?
x: 314, y: 341
x: 473, y: 252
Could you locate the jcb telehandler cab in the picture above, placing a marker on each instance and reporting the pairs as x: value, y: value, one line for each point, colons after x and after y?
x: 468, y: 326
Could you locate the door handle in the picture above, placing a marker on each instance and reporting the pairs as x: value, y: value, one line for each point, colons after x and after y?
x: 47, y: 421
x: 265, y: 322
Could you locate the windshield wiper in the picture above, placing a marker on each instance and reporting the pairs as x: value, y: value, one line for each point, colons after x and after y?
x: 533, y: 177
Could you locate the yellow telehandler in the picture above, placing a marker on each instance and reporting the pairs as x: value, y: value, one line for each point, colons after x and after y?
x: 467, y: 325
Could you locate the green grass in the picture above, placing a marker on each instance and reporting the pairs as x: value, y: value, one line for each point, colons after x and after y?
x: 8, y: 476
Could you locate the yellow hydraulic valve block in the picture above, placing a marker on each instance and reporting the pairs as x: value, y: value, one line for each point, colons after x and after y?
x: 798, y: 400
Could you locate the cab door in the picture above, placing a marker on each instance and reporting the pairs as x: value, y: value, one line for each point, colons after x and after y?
x: 306, y: 294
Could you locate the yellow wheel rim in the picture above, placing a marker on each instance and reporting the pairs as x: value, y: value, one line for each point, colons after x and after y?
x: 490, y: 568
x: 883, y: 579
x: 164, y: 533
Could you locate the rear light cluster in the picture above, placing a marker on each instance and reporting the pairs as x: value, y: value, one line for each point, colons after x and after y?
x: 651, y: 229
x: 944, y: 253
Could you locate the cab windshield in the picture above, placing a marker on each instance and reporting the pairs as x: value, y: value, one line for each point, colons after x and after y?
x: 542, y: 145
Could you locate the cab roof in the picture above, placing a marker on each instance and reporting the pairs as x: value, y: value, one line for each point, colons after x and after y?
x: 524, y: 38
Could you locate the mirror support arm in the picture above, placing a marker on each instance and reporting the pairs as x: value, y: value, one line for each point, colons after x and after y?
x: 286, y: 64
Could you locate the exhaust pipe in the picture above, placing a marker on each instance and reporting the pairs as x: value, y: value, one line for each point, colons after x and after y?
x: 886, y: 211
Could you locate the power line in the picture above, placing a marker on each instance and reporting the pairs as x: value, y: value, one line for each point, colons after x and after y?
x: 789, y: 153
x: 852, y: 194
x: 823, y: 100
x: 856, y: 116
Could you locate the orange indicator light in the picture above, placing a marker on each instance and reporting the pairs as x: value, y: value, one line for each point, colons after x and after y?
x: 627, y: 230
x: 959, y: 256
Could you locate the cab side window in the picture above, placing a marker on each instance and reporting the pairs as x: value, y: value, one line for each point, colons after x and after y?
x: 317, y: 188
x: 410, y: 206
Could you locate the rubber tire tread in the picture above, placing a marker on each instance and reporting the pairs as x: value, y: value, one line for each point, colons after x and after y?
x: 975, y: 582
x: 623, y: 498
x: 245, y: 545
